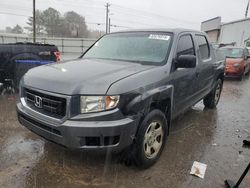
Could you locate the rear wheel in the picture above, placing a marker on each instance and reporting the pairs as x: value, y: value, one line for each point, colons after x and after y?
x: 212, y: 99
x: 151, y: 139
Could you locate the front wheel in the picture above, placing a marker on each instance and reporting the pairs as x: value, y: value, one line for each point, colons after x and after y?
x: 212, y: 99
x: 241, y: 77
x: 150, y: 139
x: 248, y: 72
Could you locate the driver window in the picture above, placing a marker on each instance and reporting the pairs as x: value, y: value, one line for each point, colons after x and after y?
x: 185, y: 46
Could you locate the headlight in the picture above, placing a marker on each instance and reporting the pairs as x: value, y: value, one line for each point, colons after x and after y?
x: 98, y: 103
x: 236, y: 65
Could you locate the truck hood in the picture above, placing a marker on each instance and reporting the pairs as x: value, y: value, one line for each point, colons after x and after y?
x: 81, y: 76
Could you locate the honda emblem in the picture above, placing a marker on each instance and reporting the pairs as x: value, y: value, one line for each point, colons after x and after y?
x: 38, y: 102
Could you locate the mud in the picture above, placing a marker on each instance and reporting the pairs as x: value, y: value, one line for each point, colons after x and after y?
x: 213, y: 137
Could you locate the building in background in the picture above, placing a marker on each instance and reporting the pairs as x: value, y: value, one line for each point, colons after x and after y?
x: 212, y: 28
x: 236, y: 32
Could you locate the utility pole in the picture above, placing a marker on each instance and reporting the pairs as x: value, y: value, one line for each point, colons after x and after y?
x: 34, y: 21
x: 107, y: 16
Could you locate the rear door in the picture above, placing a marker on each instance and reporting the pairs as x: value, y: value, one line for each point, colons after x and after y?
x: 205, y: 67
x: 183, y: 78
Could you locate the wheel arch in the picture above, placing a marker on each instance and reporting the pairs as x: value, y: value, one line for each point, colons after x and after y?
x: 160, y: 98
x: 220, y: 76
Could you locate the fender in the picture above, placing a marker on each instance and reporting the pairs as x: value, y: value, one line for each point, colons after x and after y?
x: 219, y: 71
x: 160, y: 97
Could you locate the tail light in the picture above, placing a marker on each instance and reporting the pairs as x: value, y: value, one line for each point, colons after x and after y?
x: 58, y: 56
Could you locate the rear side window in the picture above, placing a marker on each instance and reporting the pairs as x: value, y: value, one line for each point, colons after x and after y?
x: 185, y: 46
x: 203, y: 46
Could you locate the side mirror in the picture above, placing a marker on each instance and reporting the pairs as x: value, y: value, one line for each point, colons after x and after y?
x: 186, y: 61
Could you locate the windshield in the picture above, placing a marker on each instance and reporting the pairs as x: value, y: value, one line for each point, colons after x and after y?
x: 233, y: 52
x: 134, y: 47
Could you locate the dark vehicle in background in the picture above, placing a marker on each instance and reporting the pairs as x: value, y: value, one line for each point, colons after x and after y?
x: 237, y: 61
x: 123, y: 93
x: 17, y: 58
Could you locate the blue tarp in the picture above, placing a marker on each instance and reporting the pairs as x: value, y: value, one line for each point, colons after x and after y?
x: 37, y: 62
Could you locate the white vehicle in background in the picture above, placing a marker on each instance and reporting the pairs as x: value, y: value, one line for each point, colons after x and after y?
x: 248, y: 49
x: 248, y: 45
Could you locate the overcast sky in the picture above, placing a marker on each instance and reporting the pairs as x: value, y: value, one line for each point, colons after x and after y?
x: 130, y: 13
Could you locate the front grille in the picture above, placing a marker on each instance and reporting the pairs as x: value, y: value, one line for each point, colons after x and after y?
x: 49, y: 105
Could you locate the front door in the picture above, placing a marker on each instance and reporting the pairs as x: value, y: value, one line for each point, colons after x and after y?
x: 183, y: 78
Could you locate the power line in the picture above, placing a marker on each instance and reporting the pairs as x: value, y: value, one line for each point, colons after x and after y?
x: 91, y: 1
x: 7, y: 6
x: 90, y: 23
x: 112, y: 25
x: 145, y: 17
x: 153, y: 14
x: 90, y: 13
x: 82, y: 5
x: 8, y: 13
x: 135, y: 22
x: 133, y: 11
x: 137, y: 12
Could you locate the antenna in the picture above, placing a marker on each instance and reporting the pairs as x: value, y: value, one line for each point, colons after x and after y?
x: 247, y: 9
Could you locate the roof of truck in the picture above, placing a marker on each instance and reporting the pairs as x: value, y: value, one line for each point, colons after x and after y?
x: 171, y: 30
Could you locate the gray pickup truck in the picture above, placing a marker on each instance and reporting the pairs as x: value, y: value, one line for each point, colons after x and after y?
x: 123, y: 92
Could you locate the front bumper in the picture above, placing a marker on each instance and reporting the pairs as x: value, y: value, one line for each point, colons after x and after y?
x: 233, y: 72
x: 107, y: 134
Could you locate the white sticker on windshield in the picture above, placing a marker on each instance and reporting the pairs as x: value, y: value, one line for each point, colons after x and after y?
x: 159, y: 37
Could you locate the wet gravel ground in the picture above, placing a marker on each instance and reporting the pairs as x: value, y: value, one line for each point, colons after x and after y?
x: 213, y: 137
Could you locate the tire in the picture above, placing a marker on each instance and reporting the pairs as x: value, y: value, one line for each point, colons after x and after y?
x: 1, y: 88
x: 247, y: 73
x: 151, y: 139
x: 212, y: 99
x: 241, y: 77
